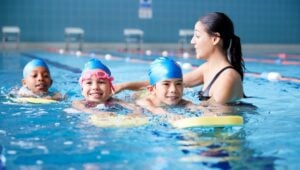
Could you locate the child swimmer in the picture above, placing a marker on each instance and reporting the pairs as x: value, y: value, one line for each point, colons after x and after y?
x: 97, y: 89
x: 166, y: 88
x: 37, y: 81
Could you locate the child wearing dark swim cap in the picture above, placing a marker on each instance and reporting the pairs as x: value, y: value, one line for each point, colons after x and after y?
x: 96, y: 84
x: 37, y: 81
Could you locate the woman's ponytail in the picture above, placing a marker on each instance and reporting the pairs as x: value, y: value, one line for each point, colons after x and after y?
x: 218, y: 22
x: 235, y: 55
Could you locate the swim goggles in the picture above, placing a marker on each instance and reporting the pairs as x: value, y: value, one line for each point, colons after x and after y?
x: 99, y: 74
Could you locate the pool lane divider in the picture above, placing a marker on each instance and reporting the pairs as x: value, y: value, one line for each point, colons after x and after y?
x: 285, y: 55
x: 272, y: 61
x: 193, y: 66
x: 272, y: 76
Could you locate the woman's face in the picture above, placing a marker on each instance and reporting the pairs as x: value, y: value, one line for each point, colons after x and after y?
x: 202, y: 41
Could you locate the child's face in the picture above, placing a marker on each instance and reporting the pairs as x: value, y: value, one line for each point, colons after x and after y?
x: 96, y: 90
x: 38, y: 80
x: 169, y: 91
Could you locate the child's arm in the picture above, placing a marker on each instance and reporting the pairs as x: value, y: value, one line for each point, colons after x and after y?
x: 208, y: 109
x: 57, y: 96
x: 130, y: 86
x: 136, y: 110
x: 81, y: 106
x: 216, y: 109
x: 147, y: 104
x: 202, y: 108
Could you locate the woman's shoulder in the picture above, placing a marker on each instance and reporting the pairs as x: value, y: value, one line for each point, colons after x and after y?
x: 228, y: 86
x: 231, y: 75
x: 230, y: 78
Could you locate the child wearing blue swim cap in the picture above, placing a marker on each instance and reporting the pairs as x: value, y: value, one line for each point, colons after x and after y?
x: 166, y: 88
x: 37, y: 81
x: 97, y: 89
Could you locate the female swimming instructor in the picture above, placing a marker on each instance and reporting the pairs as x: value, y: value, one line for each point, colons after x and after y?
x: 223, y: 71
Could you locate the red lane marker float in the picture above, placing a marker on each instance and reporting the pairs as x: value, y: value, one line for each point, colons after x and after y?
x: 285, y: 56
x: 278, y: 61
x: 278, y: 78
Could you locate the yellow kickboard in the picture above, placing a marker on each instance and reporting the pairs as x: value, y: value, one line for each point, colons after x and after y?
x: 34, y: 100
x: 209, y: 121
x: 118, y: 121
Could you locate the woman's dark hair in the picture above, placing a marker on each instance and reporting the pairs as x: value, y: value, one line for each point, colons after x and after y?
x: 218, y: 22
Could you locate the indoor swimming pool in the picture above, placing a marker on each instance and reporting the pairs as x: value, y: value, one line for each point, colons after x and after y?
x: 50, y: 136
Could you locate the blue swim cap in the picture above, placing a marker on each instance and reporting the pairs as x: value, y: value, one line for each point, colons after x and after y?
x: 33, y: 64
x: 163, y: 68
x: 93, y: 64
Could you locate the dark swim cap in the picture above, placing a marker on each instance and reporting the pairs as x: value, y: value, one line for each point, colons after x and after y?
x: 163, y: 68
x: 33, y: 64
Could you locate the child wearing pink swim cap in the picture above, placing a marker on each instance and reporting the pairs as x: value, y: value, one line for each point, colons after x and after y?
x: 96, y: 84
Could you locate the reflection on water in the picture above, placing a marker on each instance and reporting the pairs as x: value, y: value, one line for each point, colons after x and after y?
x: 222, y: 148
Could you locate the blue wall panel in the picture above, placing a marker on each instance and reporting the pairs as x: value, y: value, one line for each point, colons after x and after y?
x: 256, y: 21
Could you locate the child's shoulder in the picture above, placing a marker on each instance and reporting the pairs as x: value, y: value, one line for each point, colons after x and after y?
x: 113, y: 100
x: 25, y: 92
x: 146, y: 101
x: 140, y: 94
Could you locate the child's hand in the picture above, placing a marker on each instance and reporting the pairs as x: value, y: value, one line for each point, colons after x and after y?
x: 171, y: 116
x: 174, y: 117
x: 58, y: 97
x: 135, y: 114
x: 105, y: 114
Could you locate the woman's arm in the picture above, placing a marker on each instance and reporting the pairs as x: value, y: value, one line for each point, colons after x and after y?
x: 194, y: 77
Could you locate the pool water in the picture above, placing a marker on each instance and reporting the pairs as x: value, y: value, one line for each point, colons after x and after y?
x: 48, y: 136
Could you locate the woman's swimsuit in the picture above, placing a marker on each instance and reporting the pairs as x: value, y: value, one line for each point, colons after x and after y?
x: 204, y: 94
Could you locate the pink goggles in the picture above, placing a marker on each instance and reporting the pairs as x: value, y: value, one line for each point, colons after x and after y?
x: 99, y: 74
